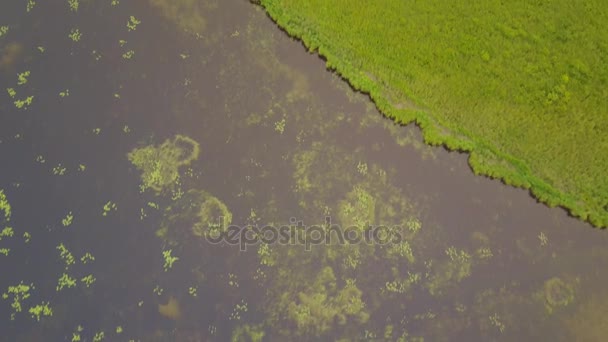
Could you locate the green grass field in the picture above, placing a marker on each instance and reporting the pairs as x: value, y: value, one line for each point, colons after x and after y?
x: 521, y: 85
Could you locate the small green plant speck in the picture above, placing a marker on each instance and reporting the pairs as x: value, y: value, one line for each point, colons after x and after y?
x: 4, y: 251
x: 73, y: 5
x: 27, y: 237
x: 3, y: 30
x: 67, y: 221
x: 24, y: 104
x: 86, y: 258
x: 128, y: 55
x: 119, y: 329
x: 99, y: 337
x: 11, y: 92
x: 19, y: 293
x: 192, y: 291
x: 75, y: 35
x: 59, y: 170
x: 544, y: 240
x: 279, y: 126
x: 132, y: 23
x: 64, y: 93
x: 65, y: 281
x: 41, y: 310
x: 30, y: 5
x: 88, y: 280
x: 6, y: 232
x: 66, y: 255
x: 169, y: 260
x: 109, y: 206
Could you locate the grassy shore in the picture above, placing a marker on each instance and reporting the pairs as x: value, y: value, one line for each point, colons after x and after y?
x: 520, y: 85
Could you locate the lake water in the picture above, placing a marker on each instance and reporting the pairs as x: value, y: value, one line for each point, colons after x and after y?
x: 281, y: 140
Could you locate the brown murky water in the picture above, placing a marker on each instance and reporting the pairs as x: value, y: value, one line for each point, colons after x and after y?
x: 280, y: 138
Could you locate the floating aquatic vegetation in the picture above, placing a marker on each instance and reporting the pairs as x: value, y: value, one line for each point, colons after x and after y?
x: 19, y: 293
x: 59, y: 170
x: 88, y: 280
x: 65, y: 255
x: 132, y: 23
x: 65, y: 281
x: 30, y: 5
x: 67, y: 221
x: 22, y: 77
x: 64, y: 93
x: 99, y: 336
x: 5, y: 206
x: 3, y: 30
x: 25, y: 103
x: 279, y: 126
x: 86, y: 258
x: 169, y: 260
x: 238, y: 309
x: 75, y: 35
x: 41, y: 310
x: 557, y: 293
x: 11, y: 92
x: 192, y: 290
x: 544, y: 240
x: 128, y: 55
x: 109, y: 206
x: 73, y: 5
x: 160, y: 165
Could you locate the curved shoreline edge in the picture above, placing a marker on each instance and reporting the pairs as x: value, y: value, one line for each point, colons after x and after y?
x: 484, y: 158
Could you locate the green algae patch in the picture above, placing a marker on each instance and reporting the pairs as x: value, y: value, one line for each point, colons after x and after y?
x: 160, y: 164
x: 523, y: 94
x: 196, y: 214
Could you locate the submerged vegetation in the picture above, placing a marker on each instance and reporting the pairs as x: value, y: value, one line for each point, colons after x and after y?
x: 523, y: 94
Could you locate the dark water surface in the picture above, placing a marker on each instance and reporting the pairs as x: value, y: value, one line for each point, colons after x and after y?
x: 280, y: 138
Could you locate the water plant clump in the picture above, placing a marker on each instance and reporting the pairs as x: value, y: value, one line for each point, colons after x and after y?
x: 160, y: 164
